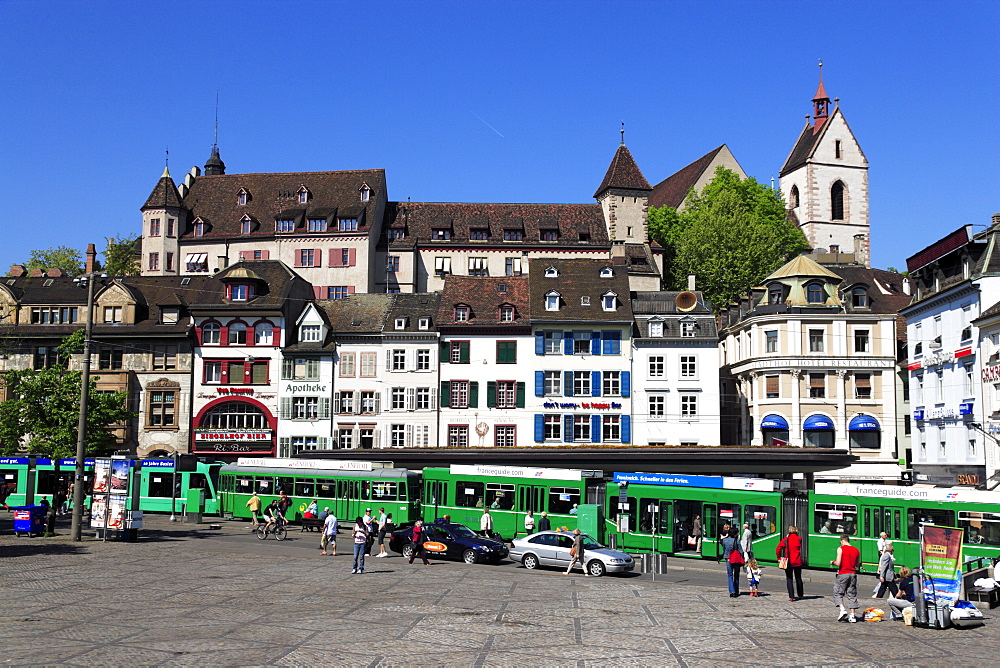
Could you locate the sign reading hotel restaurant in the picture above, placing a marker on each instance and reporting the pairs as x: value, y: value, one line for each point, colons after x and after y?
x: 233, y: 435
x: 285, y: 463
x: 707, y: 481
x: 516, y: 471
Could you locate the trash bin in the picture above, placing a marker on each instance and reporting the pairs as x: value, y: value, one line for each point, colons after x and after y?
x: 29, y: 520
x: 195, y: 505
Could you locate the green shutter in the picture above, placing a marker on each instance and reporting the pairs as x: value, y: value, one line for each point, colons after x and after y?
x: 463, y: 352
x: 445, y: 393
x: 445, y: 350
x: 474, y: 394
x: 520, y: 395
x: 491, y: 394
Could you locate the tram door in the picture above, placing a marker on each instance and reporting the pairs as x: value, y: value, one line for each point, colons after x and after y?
x: 434, y: 498
x: 529, y: 497
x: 684, y: 514
x: 656, y: 520
x: 795, y: 512
x: 875, y: 520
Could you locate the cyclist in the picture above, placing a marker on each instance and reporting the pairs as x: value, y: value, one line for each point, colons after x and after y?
x: 272, y: 515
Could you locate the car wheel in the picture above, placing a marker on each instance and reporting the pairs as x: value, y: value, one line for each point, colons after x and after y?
x: 408, y: 551
x: 596, y: 568
x: 470, y: 557
x: 530, y: 562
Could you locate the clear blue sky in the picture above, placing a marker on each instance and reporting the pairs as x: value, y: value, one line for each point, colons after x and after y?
x: 486, y: 102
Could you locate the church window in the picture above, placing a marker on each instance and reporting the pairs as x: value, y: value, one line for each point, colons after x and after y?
x: 793, y: 198
x: 838, y: 150
x: 837, y: 201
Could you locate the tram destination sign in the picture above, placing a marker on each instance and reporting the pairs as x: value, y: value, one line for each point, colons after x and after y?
x: 287, y: 463
x: 707, y: 481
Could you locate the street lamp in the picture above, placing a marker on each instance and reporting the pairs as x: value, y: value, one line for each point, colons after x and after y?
x: 76, y: 528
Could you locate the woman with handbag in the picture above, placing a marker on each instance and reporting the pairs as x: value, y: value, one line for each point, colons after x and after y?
x: 576, y: 554
x: 733, y: 555
x: 789, y: 555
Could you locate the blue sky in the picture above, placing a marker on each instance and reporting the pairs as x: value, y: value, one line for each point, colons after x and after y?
x: 486, y: 102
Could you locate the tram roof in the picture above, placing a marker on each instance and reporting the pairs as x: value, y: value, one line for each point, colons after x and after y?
x: 316, y: 472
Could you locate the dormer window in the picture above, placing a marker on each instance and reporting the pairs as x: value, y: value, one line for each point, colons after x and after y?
x: 479, y: 234
x: 502, y: 288
x: 441, y: 234
x: 552, y: 300
x: 246, y: 225
x: 814, y: 294
x: 859, y: 298
x: 688, y: 328
x: 400, y: 323
x: 303, y: 194
x: 284, y: 226
x: 461, y: 314
x: 168, y: 315
x: 549, y: 235
x: 240, y: 292
x: 199, y: 228
x: 396, y: 234
x: 551, y: 272
x: 347, y: 225
x: 775, y: 293
x: 513, y: 235
x: 310, y: 333
x: 506, y: 313
x: 607, y: 272
x: 656, y: 328
x: 317, y: 224
x: 242, y: 197
x: 365, y: 192
x: 424, y: 324
x: 609, y: 301
x: 585, y: 301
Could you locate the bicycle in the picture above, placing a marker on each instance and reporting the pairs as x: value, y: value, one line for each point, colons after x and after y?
x: 278, y: 531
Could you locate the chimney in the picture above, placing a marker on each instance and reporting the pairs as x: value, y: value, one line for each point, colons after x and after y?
x: 906, y: 285
x: 691, y: 282
x: 996, y: 218
x: 54, y: 272
x: 17, y: 270
x: 861, y: 250
x: 36, y: 273
x: 91, y: 257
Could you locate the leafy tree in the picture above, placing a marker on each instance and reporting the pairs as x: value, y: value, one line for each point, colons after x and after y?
x: 121, y: 257
x: 63, y: 257
x: 731, y: 235
x: 42, y: 414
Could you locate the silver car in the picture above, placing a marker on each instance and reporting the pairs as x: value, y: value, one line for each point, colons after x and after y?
x: 551, y: 548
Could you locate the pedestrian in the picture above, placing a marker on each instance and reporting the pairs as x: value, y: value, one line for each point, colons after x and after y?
x: 59, y: 501
x: 746, y: 541
x: 253, y: 503
x: 790, y: 549
x: 329, y: 539
x: 312, y: 511
x: 529, y: 523
x: 383, y: 528
x: 45, y: 504
x: 418, y: 540
x: 380, y: 522
x: 883, y: 540
x: 887, y: 573
x: 732, y: 554
x: 367, y: 519
x: 753, y: 576
x: 846, y: 583
x: 543, y: 523
x: 697, y: 530
x: 725, y: 530
x: 904, y: 599
x: 577, y: 555
x: 323, y: 514
x: 284, y: 503
x: 360, y: 535
x: 369, y: 522
x: 486, y: 523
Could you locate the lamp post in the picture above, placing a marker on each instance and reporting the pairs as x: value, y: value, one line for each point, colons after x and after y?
x: 76, y: 528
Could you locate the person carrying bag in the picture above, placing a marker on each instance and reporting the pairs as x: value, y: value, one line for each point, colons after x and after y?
x: 789, y: 553
x: 733, y: 556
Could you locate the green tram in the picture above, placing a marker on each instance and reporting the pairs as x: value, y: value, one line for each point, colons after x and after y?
x: 463, y: 491
x: 44, y: 476
x: 346, y: 487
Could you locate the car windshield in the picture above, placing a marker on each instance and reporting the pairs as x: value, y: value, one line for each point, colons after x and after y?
x: 463, y: 531
x: 590, y: 544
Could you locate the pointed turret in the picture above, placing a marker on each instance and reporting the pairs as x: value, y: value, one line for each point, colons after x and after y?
x: 821, y: 104
x: 215, y: 166
x: 623, y: 174
x: 164, y: 194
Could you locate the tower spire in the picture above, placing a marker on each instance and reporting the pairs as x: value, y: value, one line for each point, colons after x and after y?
x: 623, y: 133
x: 821, y: 103
x: 215, y: 166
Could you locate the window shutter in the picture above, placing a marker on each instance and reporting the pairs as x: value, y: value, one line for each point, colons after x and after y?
x: 388, y: 360
x: 444, y: 352
x: 317, y: 257
x: 595, y: 428
x: 463, y: 352
x: 411, y: 398
x: 350, y: 289
x: 433, y: 401
x: 378, y: 402
x: 539, y: 427
x: 298, y: 257
x: 335, y: 257
x: 474, y: 394
x: 265, y: 255
x: 491, y: 394
x: 285, y: 410
x: 520, y: 395
x: 336, y: 438
x: 321, y: 443
x: 324, y: 408
x: 445, y: 393
x: 409, y: 436
x: 319, y: 291
x: 567, y: 428
x: 626, y: 429
x: 284, y: 447
x: 567, y: 383
x: 626, y: 383
x: 539, y: 343
x: 357, y: 402
x: 771, y: 385
x: 595, y: 343
x: 352, y: 257
x: 410, y: 360
x: 287, y: 369
x: 567, y: 343
x: 595, y: 383
x: 336, y: 400
x: 377, y: 438
x: 611, y: 342
x: 539, y: 383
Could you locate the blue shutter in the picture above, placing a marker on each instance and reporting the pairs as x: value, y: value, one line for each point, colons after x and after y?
x: 568, y: 428
x: 595, y: 383
x: 595, y: 343
x: 606, y: 342
x: 567, y: 383
x: 539, y: 427
x: 595, y: 428
x: 626, y: 429
x: 539, y: 343
x: 612, y: 342
x: 626, y: 383
x: 567, y: 343
x: 539, y: 383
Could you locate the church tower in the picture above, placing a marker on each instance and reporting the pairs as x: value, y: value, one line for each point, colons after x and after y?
x: 825, y: 182
x: 163, y: 220
x: 624, y: 197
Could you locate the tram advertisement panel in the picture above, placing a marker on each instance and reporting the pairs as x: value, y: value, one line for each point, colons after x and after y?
x: 941, y: 554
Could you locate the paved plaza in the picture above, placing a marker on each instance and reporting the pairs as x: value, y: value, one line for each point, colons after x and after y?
x: 191, y: 595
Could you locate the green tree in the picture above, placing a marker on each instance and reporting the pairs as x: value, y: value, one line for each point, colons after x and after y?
x: 63, y: 257
x: 42, y: 414
x: 731, y: 235
x: 121, y: 257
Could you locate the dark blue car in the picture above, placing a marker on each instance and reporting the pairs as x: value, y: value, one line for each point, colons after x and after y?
x: 461, y: 542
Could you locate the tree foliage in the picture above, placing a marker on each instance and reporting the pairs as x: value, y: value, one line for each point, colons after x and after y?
x: 731, y: 235
x: 42, y: 414
x: 65, y: 258
x: 121, y: 257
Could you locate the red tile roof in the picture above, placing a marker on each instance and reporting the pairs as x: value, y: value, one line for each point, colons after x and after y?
x: 673, y: 190
x: 623, y: 173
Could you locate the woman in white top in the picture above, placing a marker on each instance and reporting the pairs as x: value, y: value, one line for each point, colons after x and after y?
x: 529, y: 523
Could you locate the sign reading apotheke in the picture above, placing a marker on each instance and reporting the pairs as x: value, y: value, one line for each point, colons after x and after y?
x: 305, y: 388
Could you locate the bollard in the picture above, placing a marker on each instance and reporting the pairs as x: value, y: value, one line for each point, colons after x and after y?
x: 660, y: 564
x: 645, y: 563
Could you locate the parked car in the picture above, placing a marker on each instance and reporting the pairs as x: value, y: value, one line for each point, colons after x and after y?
x: 461, y: 542
x: 551, y: 548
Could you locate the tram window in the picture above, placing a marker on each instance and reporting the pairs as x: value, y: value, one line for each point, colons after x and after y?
x: 835, y: 518
x: 198, y: 481
x: 304, y: 487
x: 384, y: 491
x: 762, y: 520
x: 9, y: 478
x: 501, y: 495
x: 632, y: 509
x: 647, y: 513
x: 283, y: 485
x: 917, y: 516
x: 160, y: 485
x: 729, y: 513
x: 980, y: 528
x: 897, y: 520
x: 562, y: 499
x: 326, y: 490
x: 265, y: 485
x: 401, y: 490
x: 414, y: 489
x: 664, y: 521
x: 469, y: 494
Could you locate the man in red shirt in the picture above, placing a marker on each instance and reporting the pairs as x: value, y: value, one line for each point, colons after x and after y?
x: 847, y: 562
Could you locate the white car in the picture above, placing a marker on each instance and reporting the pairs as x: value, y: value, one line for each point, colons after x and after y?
x: 551, y: 548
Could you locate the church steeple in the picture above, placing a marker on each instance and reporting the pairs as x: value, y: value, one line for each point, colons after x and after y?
x: 215, y: 166
x: 821, y: 103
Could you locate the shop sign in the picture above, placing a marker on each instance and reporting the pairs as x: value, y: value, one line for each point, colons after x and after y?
x: 963, y: 352
x: 940, y: 357
x: 939, y: 413
x: 965, y: 409
x: 311, y: 388
x: 991, y: 373
x: 595, y: 406
x: 918, y: 415
x: 234, y: 435
x: 242, y: 448
x: 234, y: 390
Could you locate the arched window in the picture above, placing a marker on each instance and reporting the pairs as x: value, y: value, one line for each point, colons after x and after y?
x: 210, y: 334
x: 793, y: 198
x: 814, y: 294
x: 859, y: 298
x: 234, y: 415
x: 837, y: 201
x: 237, y: 334
x: 263, y: 334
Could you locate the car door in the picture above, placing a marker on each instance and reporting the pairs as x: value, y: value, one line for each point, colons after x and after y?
x: 543, y: 546
x: 441, y: 535
x: 563, y: 545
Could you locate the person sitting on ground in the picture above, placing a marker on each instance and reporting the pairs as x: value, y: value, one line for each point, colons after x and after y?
x: 904, y: 599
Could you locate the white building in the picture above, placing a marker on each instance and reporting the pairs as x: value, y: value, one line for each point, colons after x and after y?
x: 305, y: 394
